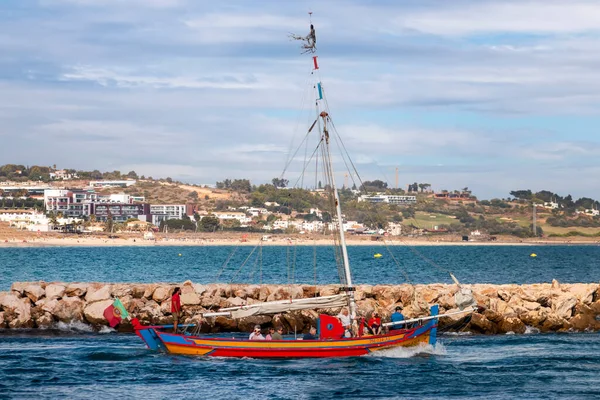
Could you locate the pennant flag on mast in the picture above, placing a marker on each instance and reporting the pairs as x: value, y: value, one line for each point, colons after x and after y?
x: 315, y: 62
x: 320, y: 91
x: 115, y: 313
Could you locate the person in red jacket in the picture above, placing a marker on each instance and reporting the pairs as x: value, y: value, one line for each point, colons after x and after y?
x: 175, y: 307
x: 375, y: 323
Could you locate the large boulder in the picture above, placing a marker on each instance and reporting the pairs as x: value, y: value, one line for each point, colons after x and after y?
x: 511, y: 324
x: 584, y: 321
x: 121, y: 290
x: 137, y: 291
x: 235, y: 302
x: 535, y: 318
x: 44, y: 321
x: 17, y: 311
x: 563, y: 306
x: 76, y: 289
x: 480, y: 323
x: 55, y: 291
x: 99, y: 294
x: 94, y: 312
x: 264, y: 293
x: 69, y: 309
x: 190, y: 299
x: 224, y: 324
x: 149, y: 291
x: 48, y: 305
x: 19, y: 287
x: 553, y: 323
x: 34, y: 292
x: 584, y: 292
x: 247, y: 324
x: 161, y: 293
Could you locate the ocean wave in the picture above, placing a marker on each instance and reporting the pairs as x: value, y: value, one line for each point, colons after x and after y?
x: 407, y: 352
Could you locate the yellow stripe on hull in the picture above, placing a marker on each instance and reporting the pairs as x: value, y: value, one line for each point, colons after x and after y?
x: 187, y: 350
x: 423, y: 339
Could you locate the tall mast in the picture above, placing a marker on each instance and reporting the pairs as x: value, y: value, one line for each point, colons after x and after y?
x: 340, y: 222
x: 310, y: 46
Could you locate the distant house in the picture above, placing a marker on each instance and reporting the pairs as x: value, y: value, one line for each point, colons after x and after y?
x: 391, y: 199
x: 105, y: 184
x: 62, y: 174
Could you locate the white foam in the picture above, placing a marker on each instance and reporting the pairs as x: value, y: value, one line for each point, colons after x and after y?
x: 106, y: 329
x: 74, y: 326
x: 510, y: 333
x: 407, y: 352
x: 458, y: 333
x: 530, y: 330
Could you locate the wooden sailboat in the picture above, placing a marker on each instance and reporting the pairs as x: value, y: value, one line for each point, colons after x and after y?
x: 331, y: 340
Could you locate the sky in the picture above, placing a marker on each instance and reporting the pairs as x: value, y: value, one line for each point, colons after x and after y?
x: 491, y: 95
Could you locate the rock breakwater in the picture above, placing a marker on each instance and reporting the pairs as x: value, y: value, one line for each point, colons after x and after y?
x: 547, y: 307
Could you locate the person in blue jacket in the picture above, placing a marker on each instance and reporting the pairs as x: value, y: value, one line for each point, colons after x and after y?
x: 397, y: 317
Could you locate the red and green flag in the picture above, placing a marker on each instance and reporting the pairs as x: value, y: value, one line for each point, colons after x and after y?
x: 115, y: 313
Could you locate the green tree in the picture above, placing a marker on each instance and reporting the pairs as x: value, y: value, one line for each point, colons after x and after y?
x: 280, y: 182
x: 210, y: 223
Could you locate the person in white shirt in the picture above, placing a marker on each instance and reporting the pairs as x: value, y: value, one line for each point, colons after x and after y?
x: 346, y: 322
x: 256, y: 335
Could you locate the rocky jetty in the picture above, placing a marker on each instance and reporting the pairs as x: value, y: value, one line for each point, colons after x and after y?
x: 546, y: 307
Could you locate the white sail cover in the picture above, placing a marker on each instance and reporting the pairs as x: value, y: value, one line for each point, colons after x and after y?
x: 291, y: 305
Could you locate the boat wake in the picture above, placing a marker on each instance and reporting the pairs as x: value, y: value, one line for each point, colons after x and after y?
x: 409, y: 352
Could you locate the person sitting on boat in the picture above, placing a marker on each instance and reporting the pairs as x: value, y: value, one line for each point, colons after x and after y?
x: 256, y: 335
x: 175, y: 308
x: 346, y: 322
x: 375, y: 323
x: 278, y: 334
x: 270, y: 334
x: 311, y: 335
x: 397, y: 317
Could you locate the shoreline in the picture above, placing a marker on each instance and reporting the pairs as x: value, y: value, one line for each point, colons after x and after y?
x: 197, y: 242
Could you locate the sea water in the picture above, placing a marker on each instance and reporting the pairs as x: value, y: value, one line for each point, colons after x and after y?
x: 301, y: 264
x: 71, y: 361
x: 82, y: 365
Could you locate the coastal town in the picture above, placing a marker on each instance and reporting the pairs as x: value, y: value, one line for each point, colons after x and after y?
x: 64, y: 202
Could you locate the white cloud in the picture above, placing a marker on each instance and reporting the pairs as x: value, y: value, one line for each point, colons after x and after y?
x: 530, y: 17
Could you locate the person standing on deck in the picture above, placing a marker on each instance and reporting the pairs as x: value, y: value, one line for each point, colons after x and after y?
x: 397, y: 317
x: 175, y: 307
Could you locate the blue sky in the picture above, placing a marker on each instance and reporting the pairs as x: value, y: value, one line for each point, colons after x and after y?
x: 493, y: 95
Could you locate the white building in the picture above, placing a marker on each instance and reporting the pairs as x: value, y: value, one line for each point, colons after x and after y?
x: 164, y: 212
x: 103, y: 184
x: 551, y: 205
x: 391, y: 199
x: 231, y: 215
x: 71, y: 203
x: 121, y: 198
x: 255, y: 212
x: 317, y: 212
x: 62, y: 174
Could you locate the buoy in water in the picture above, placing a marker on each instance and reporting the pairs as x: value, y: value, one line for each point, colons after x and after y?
x: 179, y: 254
x: 377, y: 255
x: 533, y: 255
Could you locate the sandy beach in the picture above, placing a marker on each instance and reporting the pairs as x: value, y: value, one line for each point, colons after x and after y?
x: 26, y: 239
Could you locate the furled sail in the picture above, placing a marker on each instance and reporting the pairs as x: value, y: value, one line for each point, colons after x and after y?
x: 277, y: 307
